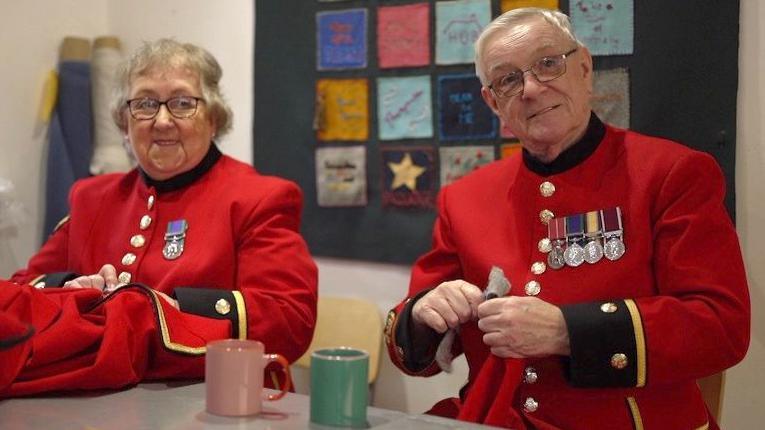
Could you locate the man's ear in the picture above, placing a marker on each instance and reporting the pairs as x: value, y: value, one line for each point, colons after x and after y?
x: 488, y: 97
x: 585, y: 66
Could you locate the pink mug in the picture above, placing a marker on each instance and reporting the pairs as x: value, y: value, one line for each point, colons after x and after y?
x: 234, y: 376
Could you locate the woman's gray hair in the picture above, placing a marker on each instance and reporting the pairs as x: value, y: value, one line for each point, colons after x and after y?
x: 167, y: 54
x: 511, y: 18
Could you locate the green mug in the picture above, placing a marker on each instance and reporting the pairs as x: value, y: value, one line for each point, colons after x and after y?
x: 339, y: 387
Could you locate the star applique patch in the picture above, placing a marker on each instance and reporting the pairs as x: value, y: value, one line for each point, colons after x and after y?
x: 408, y: 176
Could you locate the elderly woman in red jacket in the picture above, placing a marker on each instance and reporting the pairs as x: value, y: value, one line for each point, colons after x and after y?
x: 205, y: 233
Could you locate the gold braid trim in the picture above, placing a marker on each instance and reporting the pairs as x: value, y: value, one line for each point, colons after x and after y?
x: 241, y: 313
x: 637, y: 326
x: 635, y: 411
x: 177, y: 347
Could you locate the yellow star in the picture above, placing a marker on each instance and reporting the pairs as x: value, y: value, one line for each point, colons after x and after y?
x: 405, y: 173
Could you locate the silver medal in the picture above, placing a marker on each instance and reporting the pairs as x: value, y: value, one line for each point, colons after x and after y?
x: 574, y: 255
x: 614, y: 248
x: 555, y: 258
x: 593, y: 251
x: 173, y: 249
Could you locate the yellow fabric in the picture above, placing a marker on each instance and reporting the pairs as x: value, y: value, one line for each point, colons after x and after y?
x: 348, y: 322
x: 49, y: 94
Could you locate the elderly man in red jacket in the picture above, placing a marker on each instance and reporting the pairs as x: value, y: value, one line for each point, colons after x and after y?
x: 627, y: 277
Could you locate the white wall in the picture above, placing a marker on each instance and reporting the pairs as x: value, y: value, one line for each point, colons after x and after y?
x: 226, y: 29
x: 30, y: 35
x: 744, y: 401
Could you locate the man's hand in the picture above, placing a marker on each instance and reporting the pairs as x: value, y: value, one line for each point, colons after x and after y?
x: 520, y: 327
x: 448, y: 305
x: 105, y: 280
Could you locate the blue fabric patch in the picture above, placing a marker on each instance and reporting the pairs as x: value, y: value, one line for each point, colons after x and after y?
x: 607, y: 28
x: 341, y: 39
x: 404, y: 107
x: 462, y: 113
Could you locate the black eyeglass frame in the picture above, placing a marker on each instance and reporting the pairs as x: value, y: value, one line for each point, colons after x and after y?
x: 563, y: 56
x: 165, y: 103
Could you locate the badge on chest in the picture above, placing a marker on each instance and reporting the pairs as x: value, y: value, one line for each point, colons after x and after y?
x: 175, y: 238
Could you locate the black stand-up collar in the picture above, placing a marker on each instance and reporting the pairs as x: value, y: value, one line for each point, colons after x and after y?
x: 574, y: 155
x: 186, y: 178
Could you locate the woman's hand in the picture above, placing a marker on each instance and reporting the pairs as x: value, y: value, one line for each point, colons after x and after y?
x: 105, y: 280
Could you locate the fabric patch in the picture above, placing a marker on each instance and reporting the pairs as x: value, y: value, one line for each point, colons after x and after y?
x: 509, y: 149
x: 342, y: 111
x: 408, y: 176
x: 605, y: 26
x: 507, y: 5
x: 403, y: 35
x: 611, y: 96
x: 458, y: 24
x: 341, y: 176
x: 341, y: 39
x: 404, y: 107
x: 458, y: 161
x: 462, y: 113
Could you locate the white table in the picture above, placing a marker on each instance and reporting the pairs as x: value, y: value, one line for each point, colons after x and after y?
x: 156, y: 406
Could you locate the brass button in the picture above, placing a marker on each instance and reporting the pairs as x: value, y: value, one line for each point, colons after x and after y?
x: 124, y: 277
x: 538, y: 268
x: 138, y: 241
x: 608, y: 308
x: 545, y: 215
x: 145, y: 222
x: 619, y: 361
x: 150, y: 202
x: 547, y: 189
x: 128, y: 259
x: 530, y: 405
x: 40, y: 285
x: 222, y: 307
x: 530, y: 375
x: 532, y: 288
x: 544, y: 245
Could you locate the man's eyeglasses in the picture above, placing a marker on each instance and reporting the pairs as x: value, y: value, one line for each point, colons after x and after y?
x: 179, y: 107
x: 544, y: 70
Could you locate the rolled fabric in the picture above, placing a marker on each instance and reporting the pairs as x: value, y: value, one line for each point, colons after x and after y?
x: 109, y: 153
x: 69, y: 132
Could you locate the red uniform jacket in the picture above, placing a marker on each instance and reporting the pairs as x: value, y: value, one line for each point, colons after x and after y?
x: 643, y: 328
x: 69, y: 339
x: 243, y: 262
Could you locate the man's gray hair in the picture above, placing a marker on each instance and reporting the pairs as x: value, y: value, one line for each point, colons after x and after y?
x: 167, y: 54
x: 511, y: 18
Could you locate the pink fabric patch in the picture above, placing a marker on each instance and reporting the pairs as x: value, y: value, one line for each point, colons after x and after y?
x: 403, y: 35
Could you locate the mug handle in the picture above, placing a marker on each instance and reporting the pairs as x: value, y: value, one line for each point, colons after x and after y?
x: 270, y: 358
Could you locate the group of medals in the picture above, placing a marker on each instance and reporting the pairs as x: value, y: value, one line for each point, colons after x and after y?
x: 586, y: 237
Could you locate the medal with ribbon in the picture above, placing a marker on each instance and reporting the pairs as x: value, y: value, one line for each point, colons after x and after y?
x: 593, y: 250
x: 175, y: 237
x: 574, y: 254
x: 611, y: 220
x: 556, y: 231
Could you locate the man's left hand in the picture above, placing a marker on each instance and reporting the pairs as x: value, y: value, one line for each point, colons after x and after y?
x: 521, y: 327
